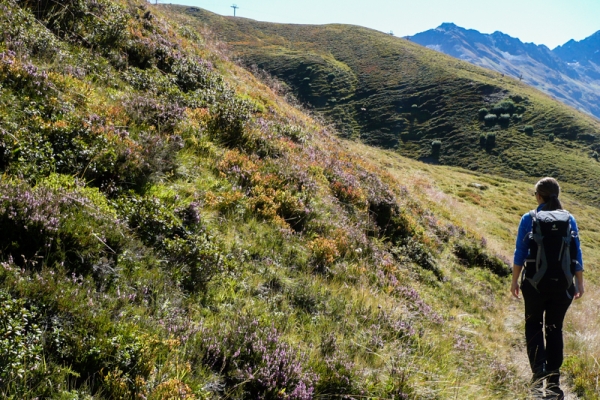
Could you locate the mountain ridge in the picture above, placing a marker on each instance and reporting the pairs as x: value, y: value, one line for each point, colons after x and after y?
x: 569, y: 72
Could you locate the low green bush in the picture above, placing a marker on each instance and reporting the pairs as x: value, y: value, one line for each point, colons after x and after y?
x: 229, y: 118
x: 177, y: 233
x: 482, y: 113
x: 490, y: 119
x: 474, y: 255
x: 490, y: 140
x: 504, y: 107
x: 528, y: 129
x: 21, y: 345
x: 436, y: 146
x: 504, y: 120
x: 413, y: 250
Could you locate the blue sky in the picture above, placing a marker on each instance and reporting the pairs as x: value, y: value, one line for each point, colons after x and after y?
x: 549, y: 22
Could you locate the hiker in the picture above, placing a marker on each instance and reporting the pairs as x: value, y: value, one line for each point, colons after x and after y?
x: 547, y: 283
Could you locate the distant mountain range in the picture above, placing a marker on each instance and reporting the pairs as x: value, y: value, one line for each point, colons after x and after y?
x: 570, y: 73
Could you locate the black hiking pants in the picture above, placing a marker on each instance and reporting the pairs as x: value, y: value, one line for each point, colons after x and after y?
x: 545, y: 346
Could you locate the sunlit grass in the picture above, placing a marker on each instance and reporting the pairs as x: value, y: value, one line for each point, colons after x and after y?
x: 493, y: 210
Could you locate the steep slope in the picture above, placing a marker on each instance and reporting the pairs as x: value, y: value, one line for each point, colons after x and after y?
x: 389, y: 92
x: 555, y: 72
x: 171, y: 228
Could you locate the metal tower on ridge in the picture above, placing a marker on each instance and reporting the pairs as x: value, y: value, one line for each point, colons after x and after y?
x: 235, y: 7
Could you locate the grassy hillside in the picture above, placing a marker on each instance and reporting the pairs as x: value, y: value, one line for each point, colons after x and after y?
x: 389, y: 92
x: 173, y: 229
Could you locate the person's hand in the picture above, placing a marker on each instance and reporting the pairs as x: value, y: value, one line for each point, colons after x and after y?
x: 514, y: 289
x: 579, y: 286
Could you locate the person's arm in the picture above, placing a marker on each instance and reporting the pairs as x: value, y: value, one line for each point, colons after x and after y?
x: 514, y: 286
x: 575, y: 230
x: 579, y: 286
x: 521, y: 250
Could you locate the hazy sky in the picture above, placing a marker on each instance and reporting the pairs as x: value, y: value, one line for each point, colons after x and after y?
x: 549, y: 22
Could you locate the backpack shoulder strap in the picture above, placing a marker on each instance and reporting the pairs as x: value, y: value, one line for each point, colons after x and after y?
x: 534, y: 221
x: 540, y: 267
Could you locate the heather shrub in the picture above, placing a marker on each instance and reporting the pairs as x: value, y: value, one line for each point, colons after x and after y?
x: 177, y: 233
x: 229, y: 118
x: 161, y: 113
x: 110, y: 158
x: 149, y: 80
x: 417, y: 305
x: 19, y: 74
x: 294, y: 132
x: 33, y: 41
x: 348, y: 187
x: 79, y: 347
x: 337, y: 376
x: 103, y: 155
x: 256, y: 362
x: 46, y: 225
x: 21, y: 345
x: 194, y: 73
x: 528, y: 129
x: 99, y: 24
x: 87, y: 146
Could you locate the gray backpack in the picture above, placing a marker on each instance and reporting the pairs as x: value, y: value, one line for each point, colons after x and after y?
x: 552, y: 251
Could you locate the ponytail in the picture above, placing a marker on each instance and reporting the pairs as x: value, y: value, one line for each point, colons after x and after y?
x: 549, y: 189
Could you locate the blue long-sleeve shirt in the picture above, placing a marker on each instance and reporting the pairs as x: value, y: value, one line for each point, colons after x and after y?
x: 522, y: 245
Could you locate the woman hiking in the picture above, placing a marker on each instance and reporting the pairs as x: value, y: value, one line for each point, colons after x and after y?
x: 547, y: 283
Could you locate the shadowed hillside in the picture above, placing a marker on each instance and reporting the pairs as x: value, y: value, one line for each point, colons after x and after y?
x: 389, y: 92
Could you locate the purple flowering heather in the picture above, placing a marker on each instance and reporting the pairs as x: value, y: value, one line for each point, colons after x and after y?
x: 258, y: 359
x: 417, y: 304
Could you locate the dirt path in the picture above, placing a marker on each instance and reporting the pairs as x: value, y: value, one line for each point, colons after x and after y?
x: 514, y: 325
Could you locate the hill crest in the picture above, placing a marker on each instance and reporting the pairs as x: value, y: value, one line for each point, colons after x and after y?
x: 390, y: 92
